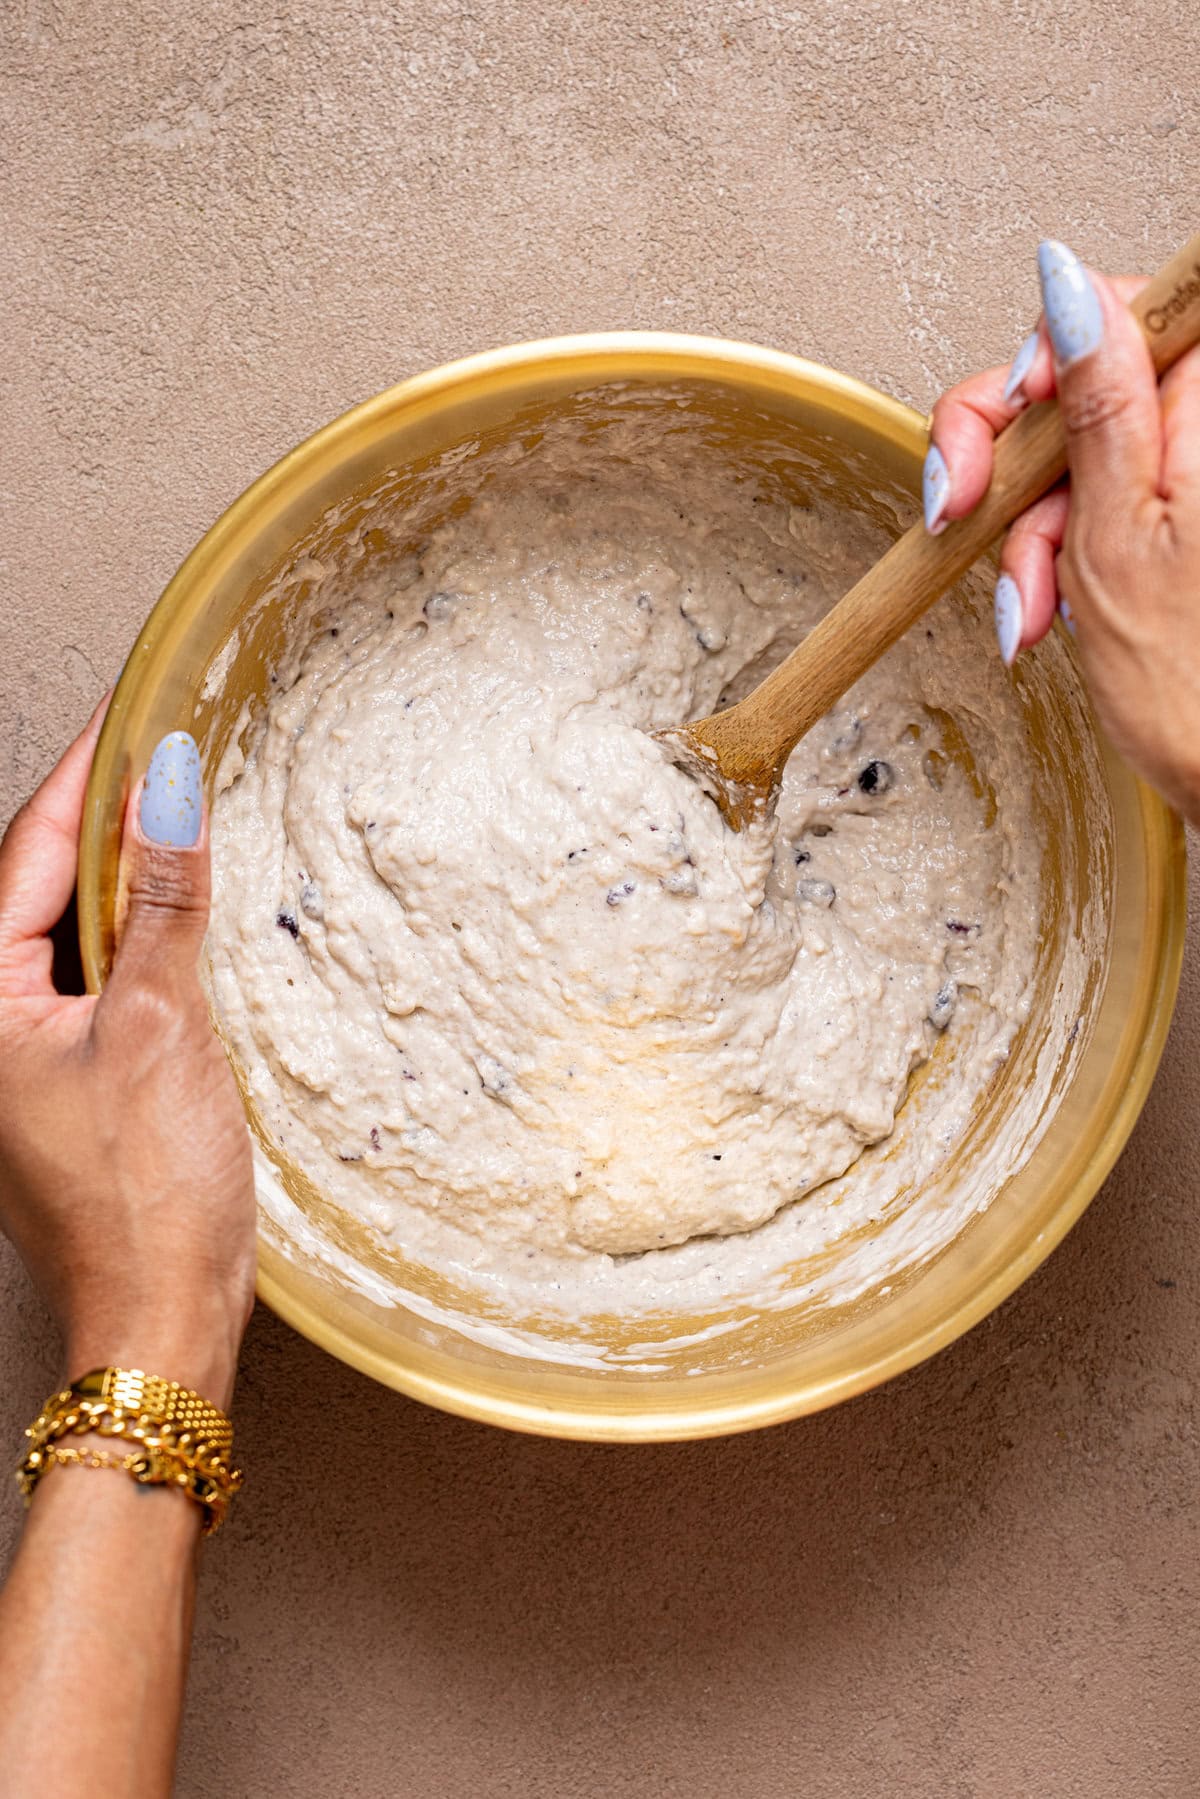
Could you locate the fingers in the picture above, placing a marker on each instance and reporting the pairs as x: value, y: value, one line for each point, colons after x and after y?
x: 1031, y: 373
x: 165, y: 869
x: 968, y: 417
x: 40, y: 853
x: 1027, y: 591
x: 1125, y: 450
x: 1107, y: 393
x: 963, y: 430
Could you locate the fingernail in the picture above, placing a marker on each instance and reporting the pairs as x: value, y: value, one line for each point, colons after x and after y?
x: 1021, y: 364
x: 172, y: 796
x: 1066, y: 615
x: 1009, y: 617
x: 935, y: 490
x: 1073, y: 315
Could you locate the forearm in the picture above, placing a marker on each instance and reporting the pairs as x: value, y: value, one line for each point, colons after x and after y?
x: 95, y: 1623
x: 126, y: 1185
x: 96, y: 1618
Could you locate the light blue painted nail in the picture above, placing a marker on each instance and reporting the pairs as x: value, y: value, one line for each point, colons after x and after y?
x: 935, y: 490
x: 172, y: 796
x: 1066, y: 615
x: 1021, y: 364
x: 1073, y: 315
x: 1009, y: 615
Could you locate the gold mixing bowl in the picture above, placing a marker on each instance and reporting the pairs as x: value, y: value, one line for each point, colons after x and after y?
x: 1112, y: 884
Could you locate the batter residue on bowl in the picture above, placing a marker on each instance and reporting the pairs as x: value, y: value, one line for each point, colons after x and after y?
x: 496, y: 974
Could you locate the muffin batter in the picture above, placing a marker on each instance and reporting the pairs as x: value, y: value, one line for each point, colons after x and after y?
x: 496, y: 974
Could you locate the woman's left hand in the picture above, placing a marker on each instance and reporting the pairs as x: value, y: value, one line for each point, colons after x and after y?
x: 125, y: 1169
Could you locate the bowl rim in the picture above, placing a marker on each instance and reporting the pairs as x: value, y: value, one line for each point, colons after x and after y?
x: 716, y: 358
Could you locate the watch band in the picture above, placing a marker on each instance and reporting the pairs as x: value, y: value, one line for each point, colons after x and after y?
x: 176, y: 1438
x: 131, y: 1390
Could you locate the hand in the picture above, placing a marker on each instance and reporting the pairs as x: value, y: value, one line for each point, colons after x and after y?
x: 1117, y: 549
x: 125, y: 1171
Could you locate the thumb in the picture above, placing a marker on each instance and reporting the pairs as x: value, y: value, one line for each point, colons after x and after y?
x: 1107, y: 391
x: 165, y: 869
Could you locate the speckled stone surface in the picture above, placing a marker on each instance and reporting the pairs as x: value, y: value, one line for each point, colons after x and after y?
x: 224, y: 223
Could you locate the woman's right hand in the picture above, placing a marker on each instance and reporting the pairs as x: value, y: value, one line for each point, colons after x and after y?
x: 1117, y: 548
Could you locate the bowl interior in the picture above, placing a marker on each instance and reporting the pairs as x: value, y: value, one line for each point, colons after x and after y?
x: 1041, y: 1137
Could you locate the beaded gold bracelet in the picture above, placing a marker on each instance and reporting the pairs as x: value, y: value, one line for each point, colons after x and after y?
x: 176, y: 1438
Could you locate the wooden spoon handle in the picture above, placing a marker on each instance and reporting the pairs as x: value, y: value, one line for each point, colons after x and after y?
x: 1030, y: 457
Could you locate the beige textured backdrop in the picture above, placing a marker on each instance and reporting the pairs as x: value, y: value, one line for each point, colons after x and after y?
x: 222, y: 223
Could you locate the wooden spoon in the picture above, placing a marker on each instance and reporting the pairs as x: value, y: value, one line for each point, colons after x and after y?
x: 739, y: 754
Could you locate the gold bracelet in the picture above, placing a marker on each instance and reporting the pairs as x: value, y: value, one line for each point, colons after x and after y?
x: 59, y: 1455
x: 177, y: 1438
